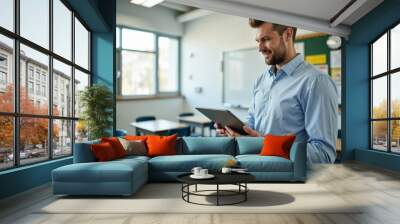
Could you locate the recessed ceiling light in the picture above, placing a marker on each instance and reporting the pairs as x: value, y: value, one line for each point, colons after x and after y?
x: 146, y: 3
x: 138, y: 2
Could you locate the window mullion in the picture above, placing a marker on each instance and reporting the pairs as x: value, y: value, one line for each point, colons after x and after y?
x: 50, y: 81
x: 157, y: 81
x: 16, y: 84
x: 389, y: 94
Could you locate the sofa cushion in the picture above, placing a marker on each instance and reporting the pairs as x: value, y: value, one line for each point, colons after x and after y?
x: 116, y: 145
x: 207, y: 145
x: 249, y: 145
x: 161, y: 145
x: 112, y: 171
x: 134, y: 147
x: 277, y: 145
x: 185, y: 163
x: 257, y: 163
x: 103, y: 152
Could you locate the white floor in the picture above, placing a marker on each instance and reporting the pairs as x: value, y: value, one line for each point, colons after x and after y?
x: 378, y: 189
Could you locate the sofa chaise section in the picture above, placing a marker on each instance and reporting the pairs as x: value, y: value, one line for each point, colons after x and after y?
x: 87, y: 177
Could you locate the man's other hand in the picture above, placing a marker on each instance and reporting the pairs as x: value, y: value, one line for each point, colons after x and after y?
x: 251, y: 133
x: 220, y: 130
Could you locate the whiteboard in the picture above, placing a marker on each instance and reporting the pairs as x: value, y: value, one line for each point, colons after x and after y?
x: 240, y: 70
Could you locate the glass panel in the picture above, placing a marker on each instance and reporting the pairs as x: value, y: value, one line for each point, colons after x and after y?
x: 395, y: 136
x: 62, y: 29
x: 81, y: 131
x: 168, y: 64
x: 33, y: 139
x: 81, y: 81
x: 379, y: 135
x: 138, y: 40
x: 6, y: 74
x: 395, y: 47
x: 379, y: 99
x: 35, y: 21
x: 62, y: 138
x: 138, y: 71
x: 117, y: 38
x: 395, y: 95
x: 6, y: 142
x: 7, y: 14
x: 62, y: 89
x: 34, y: 80
x: 379, y: 55
x: 81, y: 45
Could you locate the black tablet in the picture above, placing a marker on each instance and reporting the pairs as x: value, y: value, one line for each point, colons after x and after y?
x: 224, y: 118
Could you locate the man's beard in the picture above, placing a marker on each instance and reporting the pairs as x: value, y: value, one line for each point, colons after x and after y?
x: 278, y: 57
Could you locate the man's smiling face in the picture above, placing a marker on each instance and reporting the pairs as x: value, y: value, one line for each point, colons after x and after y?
x: 270, y: 44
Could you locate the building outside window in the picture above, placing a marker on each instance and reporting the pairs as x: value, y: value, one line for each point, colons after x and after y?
x: 56, y: 130
x: 148, y: 63
x: 385, y: 92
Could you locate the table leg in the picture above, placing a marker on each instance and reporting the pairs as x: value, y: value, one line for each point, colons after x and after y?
x: 245, y: 193
x: 217, y: 194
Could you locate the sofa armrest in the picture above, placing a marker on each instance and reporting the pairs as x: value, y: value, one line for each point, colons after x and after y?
x: 83, y: 152
x: 298, y: 155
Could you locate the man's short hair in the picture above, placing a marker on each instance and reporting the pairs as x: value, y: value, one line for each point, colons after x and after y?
x: 277, y: 27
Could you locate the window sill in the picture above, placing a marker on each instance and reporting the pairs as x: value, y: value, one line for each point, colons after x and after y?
x: 150, y: 97
x: 38, y: 164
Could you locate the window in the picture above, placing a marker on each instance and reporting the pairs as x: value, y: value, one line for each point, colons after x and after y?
x: 30, y: 72
x: 81, y: 45
x: 34, y: 22
x: 43, y: 90
x: 7, y: 14
x: 3, y: 61
x: 38, y: 89
x: 148, y: 63
x: 30, y: 87
x: 45, y: 131
x: 385, y: 94
x: 62, y: 29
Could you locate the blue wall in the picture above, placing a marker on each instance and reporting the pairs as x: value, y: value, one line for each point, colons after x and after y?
x: 100, y: 16
x: 356, y: 70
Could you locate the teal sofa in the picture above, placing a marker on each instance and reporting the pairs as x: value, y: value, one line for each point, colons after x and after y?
x: 125, y: 176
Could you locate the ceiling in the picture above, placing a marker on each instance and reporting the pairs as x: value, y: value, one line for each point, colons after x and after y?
x: 328, y: 16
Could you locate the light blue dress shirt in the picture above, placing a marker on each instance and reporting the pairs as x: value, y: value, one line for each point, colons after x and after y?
x: 301, y: 100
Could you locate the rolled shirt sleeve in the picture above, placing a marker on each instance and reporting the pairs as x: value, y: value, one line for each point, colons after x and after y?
x: 321, y: 120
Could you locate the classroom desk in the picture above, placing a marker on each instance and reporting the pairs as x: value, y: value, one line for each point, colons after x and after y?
x: 157, y: 127
x: 196, y: 120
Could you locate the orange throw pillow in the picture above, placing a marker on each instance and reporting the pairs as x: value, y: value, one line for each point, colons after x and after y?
x: 103, y: 152
x: 135, y: 138
x: 116, y: 145
x: 275, y: 145
x: 161, y: 145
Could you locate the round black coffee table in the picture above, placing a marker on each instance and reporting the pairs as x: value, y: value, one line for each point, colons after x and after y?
x: 238, y: 179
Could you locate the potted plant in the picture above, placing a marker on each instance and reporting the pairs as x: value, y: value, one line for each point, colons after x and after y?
x: 96, y: 103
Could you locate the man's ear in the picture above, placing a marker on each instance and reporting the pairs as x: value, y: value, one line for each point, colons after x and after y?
x: 289, y: 34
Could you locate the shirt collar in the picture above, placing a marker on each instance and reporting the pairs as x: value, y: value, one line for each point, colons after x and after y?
x: 289, y: 67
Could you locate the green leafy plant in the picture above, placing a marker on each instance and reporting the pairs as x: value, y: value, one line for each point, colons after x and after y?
x: 97, y: 104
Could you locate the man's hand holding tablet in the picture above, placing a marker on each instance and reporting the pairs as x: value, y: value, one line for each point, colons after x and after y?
x: 227, y: 123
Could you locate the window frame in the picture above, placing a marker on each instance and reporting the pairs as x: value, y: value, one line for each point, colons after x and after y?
x: 16, y: 115
x: 388, y: 74
x: 158, y: 94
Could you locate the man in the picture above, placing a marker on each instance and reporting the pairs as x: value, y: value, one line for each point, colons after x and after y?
x: 292, y: 96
